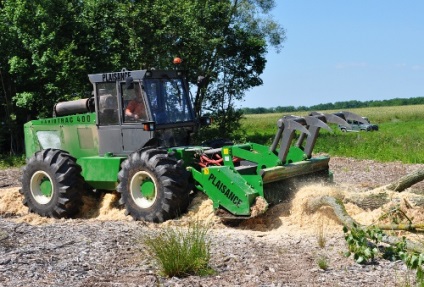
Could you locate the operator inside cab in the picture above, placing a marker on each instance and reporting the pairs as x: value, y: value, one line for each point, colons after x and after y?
x: 136, y: 108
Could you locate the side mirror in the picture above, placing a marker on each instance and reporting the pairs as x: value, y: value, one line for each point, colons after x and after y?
x: 129, y: 83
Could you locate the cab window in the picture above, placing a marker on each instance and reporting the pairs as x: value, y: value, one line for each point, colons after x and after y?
x: 134, y: 107
x: 107, y: 104
x: 168, y: 99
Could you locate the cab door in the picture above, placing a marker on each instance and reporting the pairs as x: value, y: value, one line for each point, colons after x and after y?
x: 133, y: 134
x: 108, y: 120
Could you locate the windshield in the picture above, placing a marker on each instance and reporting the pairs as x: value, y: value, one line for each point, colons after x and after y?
x: 169, y: 101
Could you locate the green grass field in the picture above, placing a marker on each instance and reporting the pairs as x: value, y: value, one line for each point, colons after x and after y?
x: 400, y: 138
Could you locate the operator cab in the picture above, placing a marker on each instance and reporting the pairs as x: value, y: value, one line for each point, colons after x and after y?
x: 163, y: 95
x: 136, y: 106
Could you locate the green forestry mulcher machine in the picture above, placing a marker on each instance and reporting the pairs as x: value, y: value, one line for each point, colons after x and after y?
x: 91, y: 144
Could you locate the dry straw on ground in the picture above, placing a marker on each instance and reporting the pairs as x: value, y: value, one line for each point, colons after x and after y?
x: 286, y: 217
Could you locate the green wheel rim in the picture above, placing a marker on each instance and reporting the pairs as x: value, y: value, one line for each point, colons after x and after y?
x: 143, y: 189
x: 41, y: 187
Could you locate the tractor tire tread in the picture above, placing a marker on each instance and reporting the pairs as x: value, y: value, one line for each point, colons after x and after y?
x: 172, y: 189
x: 66, y: 177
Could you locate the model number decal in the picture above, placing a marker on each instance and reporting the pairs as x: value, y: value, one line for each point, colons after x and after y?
x: 83, y: 119
x: 68, y: 120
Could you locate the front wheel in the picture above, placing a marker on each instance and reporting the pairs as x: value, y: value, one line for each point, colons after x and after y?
x: 51, y: 183
x: 153, y: 185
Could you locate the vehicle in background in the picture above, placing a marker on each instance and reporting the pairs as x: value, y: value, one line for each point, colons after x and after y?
x: 356, y: 126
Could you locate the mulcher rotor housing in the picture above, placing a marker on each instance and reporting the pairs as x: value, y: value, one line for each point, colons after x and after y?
x: 90, y: 144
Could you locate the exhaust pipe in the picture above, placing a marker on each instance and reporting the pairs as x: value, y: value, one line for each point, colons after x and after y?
x: 81, y: 106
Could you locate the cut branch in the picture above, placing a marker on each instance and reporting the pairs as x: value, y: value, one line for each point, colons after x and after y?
x: 376, y: 198
x: 379, y: 196
x: 313, y: 204
x: 407, y: 181
x: 368, y: 200
x: 404, y: 226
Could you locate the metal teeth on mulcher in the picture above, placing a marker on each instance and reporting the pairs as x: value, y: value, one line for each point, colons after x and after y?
x: 309, y: 127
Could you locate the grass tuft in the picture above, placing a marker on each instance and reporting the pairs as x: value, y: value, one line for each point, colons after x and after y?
x: 181, y: 252
x: 322, y: 263
x: 321, y: 239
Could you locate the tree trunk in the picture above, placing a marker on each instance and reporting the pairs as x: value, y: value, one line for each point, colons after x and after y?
x: 368, y: 200
x: 313, y: 204
x: 407, y: 181
x: 338, y: 207
x: 374, y: 199
x: 377, y: 197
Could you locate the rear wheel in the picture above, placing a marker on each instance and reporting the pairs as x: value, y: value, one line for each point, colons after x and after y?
x: 51, y: 183
x: 153, y: 185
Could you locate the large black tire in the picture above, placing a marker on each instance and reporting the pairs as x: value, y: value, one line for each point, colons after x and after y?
x: 51, y: 183
x: 153, y: 186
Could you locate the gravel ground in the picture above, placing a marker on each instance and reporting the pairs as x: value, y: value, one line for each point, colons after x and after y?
x: 280, y: 252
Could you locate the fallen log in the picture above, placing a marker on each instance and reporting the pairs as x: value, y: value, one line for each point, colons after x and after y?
x: 373, y: 199
x: 406, y: 181
x: 313, y: 204
x: 369, y: 200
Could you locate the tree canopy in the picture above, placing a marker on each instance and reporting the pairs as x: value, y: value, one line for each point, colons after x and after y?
x: 49, y: 47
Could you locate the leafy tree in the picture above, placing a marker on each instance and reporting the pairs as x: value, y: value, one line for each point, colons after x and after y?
x: 9, y: 140
x: 47, y: 67
x: 238, y: 60
x: 224, y: 41
x: 49, y: 47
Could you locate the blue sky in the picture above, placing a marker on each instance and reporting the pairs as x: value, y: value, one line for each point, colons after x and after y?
x: 344, y: 50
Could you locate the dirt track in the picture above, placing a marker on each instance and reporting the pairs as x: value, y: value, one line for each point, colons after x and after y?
x: 102, y: 247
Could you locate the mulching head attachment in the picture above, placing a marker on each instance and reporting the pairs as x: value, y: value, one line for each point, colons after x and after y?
x: 241, y: 180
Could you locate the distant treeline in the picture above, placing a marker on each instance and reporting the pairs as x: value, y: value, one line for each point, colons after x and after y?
x: 337, y: 106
